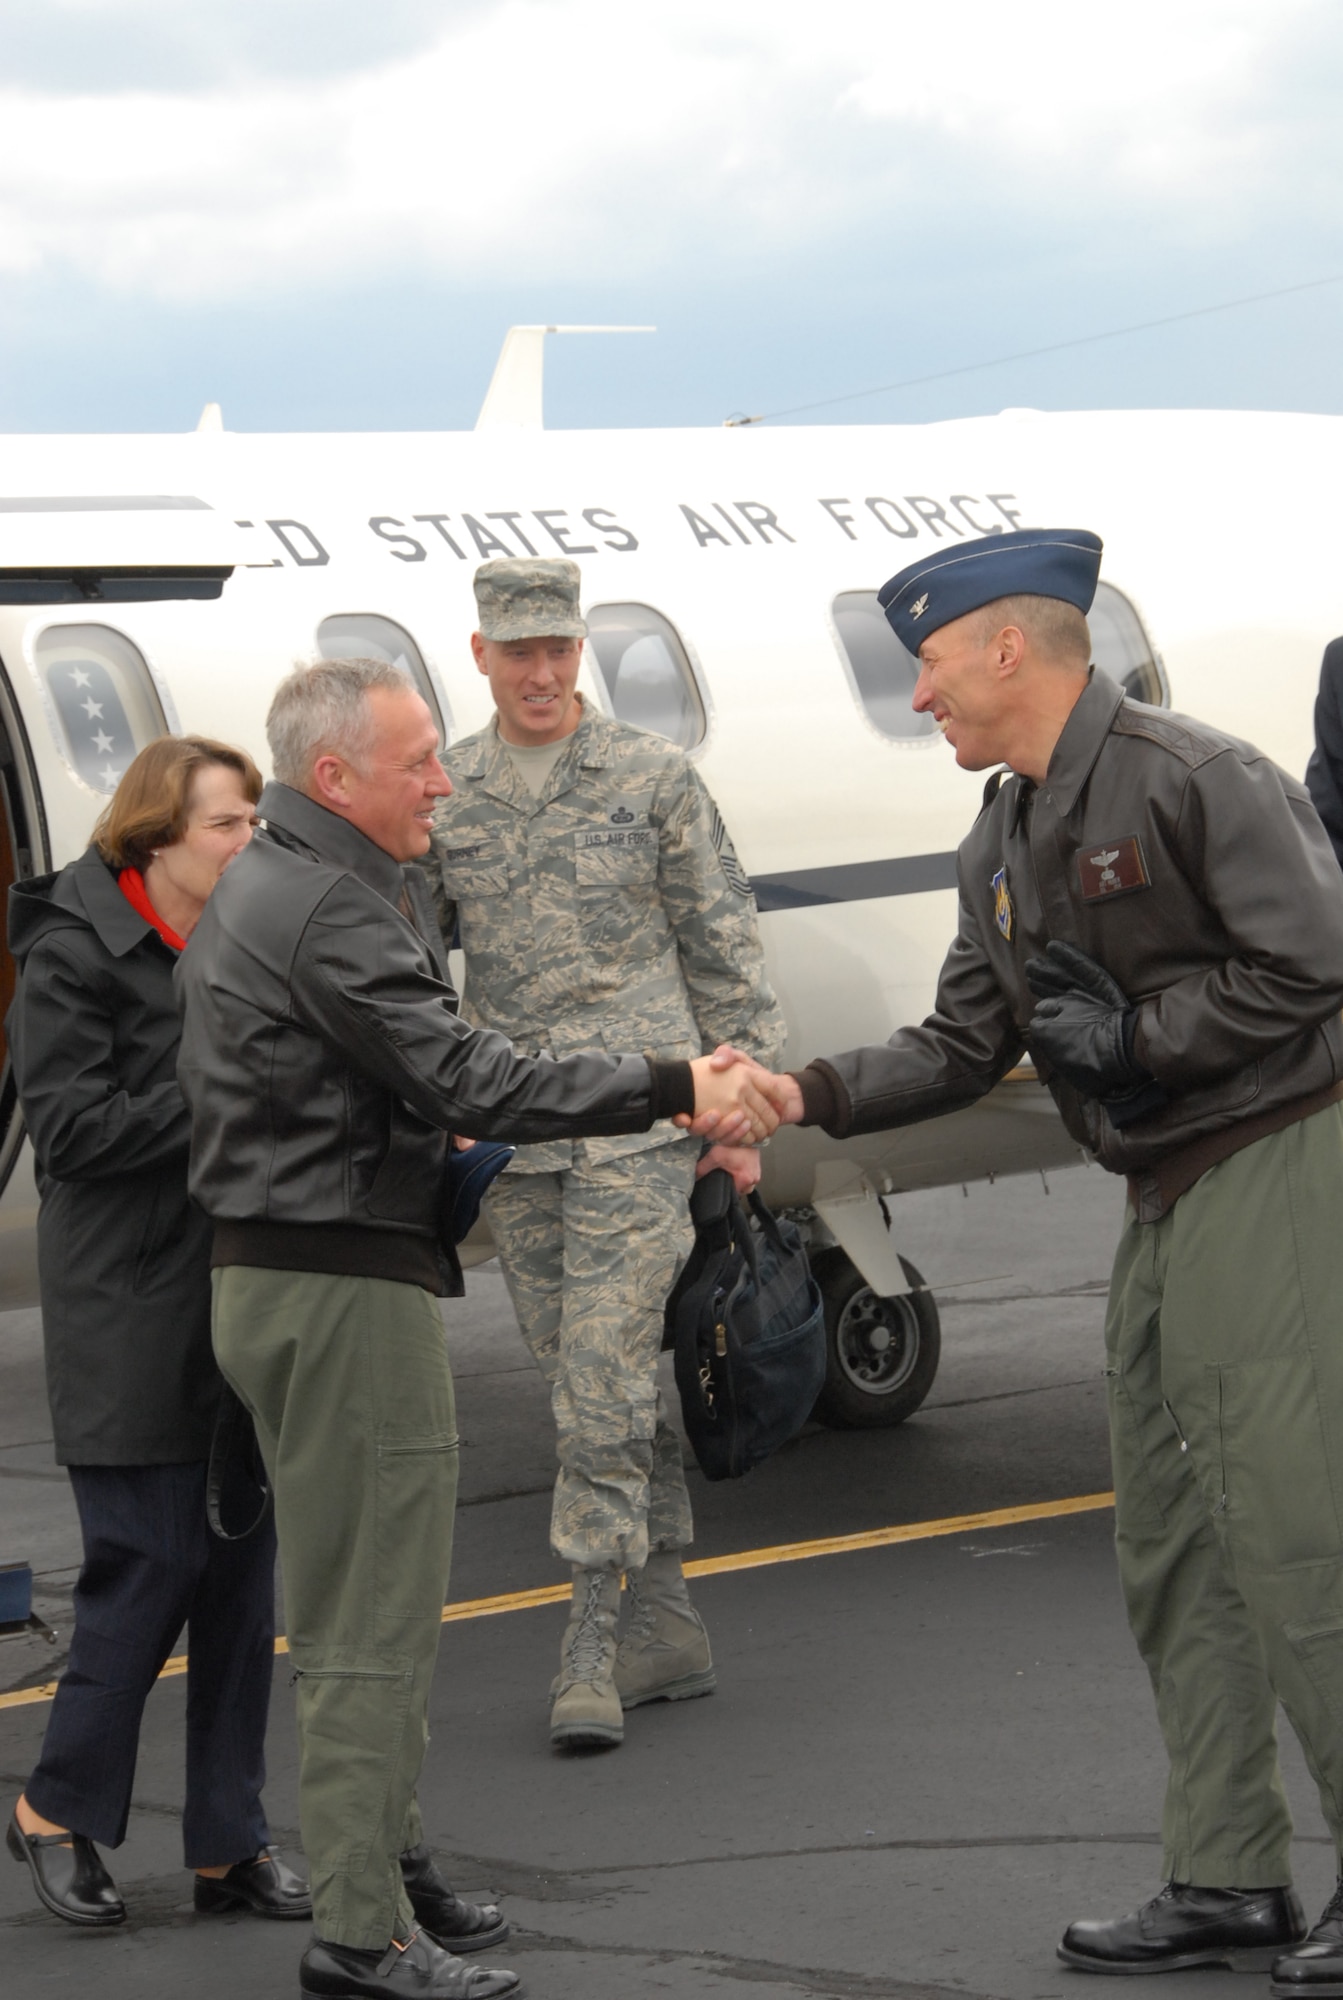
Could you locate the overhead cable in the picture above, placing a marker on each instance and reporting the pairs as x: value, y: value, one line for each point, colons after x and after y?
x: 1032, y: 353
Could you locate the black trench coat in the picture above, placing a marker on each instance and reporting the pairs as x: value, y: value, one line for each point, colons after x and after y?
x: 1324, y: 773
x: 123, y: 1254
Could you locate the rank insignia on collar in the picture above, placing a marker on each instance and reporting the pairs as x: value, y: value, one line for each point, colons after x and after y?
x: 1003, y: 913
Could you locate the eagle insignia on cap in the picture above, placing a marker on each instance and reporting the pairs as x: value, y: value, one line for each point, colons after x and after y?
x: 1038, y: 562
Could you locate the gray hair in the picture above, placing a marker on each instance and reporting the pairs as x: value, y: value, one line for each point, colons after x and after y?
x: 321, y: 709
x: 1057, y: 630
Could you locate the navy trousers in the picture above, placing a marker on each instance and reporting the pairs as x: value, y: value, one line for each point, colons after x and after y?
x: 151, y: 1566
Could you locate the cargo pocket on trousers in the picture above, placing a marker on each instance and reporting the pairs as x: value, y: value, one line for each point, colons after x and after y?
x: 416, y: 1492
x: 1319, y: 1654
x: 352, y: 1723
x: 1277, y: 1492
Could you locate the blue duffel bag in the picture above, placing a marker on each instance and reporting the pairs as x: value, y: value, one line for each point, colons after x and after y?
x: 747, y: 1325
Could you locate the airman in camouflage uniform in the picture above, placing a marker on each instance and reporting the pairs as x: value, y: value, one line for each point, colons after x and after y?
x: 599, y: 904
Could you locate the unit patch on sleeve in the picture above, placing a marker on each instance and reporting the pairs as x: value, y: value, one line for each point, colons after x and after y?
x: 737, y: 877
x: 1003, y: 913
x: 1112, y: 868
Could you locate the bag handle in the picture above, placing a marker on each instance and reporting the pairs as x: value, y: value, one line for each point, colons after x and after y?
x: 720, y: 1220
x: 743, y: 1234
x: 232, y: 1426
x: 766, y: 1218
x: 712, y: 1198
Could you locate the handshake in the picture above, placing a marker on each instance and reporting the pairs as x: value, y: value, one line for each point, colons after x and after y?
x: 738, y: 1103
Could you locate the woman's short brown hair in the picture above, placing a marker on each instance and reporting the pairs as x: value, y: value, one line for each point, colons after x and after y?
x: 149, y: 807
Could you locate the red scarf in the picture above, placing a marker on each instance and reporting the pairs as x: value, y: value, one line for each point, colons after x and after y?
x: 132, y: 886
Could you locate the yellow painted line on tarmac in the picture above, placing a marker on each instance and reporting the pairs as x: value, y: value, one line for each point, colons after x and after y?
x: 782, y: 1552
x: 910, y: 1531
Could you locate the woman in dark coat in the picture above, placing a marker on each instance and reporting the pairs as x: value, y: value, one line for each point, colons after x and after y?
x: 123, y: 1262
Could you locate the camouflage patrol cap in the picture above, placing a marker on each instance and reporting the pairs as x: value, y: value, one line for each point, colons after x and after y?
x: 529, y: 597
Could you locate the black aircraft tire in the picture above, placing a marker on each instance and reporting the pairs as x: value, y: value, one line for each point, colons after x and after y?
x: 881, y: 1355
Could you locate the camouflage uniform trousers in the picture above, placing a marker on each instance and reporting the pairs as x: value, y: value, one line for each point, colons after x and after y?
x: 589, y: 1255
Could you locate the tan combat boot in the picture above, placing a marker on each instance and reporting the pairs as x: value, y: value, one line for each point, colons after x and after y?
x: 585, y: 1709
x: 664, y: 1655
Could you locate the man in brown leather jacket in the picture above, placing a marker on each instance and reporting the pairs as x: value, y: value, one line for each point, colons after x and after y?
x: 1153, y: 910
x: 324, y: 1063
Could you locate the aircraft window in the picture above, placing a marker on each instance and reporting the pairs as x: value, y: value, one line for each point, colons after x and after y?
x: 881, y: 670
x: 103, y: 700
x: 364, y: 635
x: 645, y: 672
x: 1122, y: 649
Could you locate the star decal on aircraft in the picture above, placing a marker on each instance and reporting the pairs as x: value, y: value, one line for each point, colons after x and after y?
x: 102, y: 742
x: 92, y: 708
x: 80, y: 678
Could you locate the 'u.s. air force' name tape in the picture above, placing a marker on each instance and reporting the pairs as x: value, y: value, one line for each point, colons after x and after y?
x: 617, y: 836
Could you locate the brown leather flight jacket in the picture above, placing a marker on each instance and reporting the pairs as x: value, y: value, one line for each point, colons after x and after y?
x: 1197, y: 873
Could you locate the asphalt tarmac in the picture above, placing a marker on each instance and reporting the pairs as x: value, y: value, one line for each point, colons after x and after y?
x: 925, y: 1756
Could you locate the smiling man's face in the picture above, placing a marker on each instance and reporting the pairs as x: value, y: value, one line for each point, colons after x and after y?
x: 962, y: 686
x: 392, y: 795
x: 532, y: 681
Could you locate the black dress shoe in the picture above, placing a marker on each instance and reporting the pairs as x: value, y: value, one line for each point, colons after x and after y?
x: 266, y: 1885
x: 68, y: 1875
x: 1315, y: 1967
x: 455, y: 1924
x: 415, y: 1970
x: 1245, y: 1929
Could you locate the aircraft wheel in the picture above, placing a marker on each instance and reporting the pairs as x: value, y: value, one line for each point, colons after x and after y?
x: 881, y: 1354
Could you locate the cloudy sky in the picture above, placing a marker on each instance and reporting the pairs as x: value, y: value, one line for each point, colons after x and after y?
x: 324, y: 213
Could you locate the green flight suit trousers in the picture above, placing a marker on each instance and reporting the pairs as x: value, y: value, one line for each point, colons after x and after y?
x: 1224, y: 1353
x: 348, y: 1383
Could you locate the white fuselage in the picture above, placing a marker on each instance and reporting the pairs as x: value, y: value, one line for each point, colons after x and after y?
x: 1222, y: 529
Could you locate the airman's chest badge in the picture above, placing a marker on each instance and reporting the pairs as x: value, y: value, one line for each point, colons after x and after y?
x: 1112, y: 868
x: 1003, y: 913
x: 622, y: 816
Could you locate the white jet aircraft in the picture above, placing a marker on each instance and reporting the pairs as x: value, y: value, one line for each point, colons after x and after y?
x: 730, y: 579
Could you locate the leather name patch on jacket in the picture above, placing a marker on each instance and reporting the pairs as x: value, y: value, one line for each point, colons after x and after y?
x: 1112, y: 868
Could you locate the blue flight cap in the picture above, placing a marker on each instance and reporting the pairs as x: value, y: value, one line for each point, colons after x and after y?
x: 1038, y: 562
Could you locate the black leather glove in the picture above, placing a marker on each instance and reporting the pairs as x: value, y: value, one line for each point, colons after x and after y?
x: 1084, y: 1028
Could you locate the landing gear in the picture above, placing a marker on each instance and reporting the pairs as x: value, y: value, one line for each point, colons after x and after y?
x: 881, y: 1354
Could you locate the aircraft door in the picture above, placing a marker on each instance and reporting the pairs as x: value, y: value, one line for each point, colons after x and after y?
x: 23, y: 852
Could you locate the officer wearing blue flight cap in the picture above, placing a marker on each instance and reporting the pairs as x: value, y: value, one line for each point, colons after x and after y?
x: 1062, y: 564
x: 1154, y: 912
